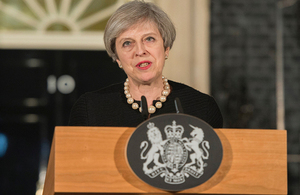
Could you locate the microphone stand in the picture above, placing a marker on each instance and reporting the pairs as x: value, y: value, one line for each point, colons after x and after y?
x: 144, y: 107
x: 178, y: 106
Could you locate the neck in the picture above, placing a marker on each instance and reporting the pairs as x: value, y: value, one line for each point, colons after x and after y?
x: 151, y: 91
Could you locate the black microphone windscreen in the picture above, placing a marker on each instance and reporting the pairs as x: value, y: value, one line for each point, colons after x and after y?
x: 144, y: 107
x: 178, y: 106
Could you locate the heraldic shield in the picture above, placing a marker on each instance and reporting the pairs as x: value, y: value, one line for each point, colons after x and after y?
x: 174, y: 152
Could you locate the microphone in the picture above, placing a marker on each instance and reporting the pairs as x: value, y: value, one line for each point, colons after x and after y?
x: 144, y: 107
x: 178, y: 106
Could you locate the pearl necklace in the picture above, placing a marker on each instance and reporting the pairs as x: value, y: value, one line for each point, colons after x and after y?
x: 151, y: 109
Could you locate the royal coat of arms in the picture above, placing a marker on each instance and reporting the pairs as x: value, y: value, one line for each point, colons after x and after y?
x: 176, y: 157
x: 174, y: 152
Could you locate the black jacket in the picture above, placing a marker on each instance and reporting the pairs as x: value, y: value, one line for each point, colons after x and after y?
x: 109, y: 107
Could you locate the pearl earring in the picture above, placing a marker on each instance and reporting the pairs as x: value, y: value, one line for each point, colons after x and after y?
x: 166, y: 57
x: 120, y: 65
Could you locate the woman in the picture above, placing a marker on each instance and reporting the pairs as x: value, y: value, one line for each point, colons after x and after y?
x: 139, y: 36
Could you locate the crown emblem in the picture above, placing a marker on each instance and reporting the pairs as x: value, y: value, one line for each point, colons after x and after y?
x: 174, y: 131
x: 151, y: 125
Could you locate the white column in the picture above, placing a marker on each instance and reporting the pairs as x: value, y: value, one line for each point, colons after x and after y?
x: 189, y: 58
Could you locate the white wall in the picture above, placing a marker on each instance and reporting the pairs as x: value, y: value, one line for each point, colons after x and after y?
x: 189, y: 58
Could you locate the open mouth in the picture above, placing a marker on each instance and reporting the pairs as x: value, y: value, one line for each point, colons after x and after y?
x: 144, y: 65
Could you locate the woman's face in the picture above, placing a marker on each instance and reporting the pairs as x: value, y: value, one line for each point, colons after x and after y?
x: 141, y: 52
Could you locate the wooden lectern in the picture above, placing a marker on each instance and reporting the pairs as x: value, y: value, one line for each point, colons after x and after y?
x: 91, y: 160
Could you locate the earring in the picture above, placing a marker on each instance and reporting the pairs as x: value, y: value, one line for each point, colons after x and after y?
x: 166, y: 57
x: 120, y: 65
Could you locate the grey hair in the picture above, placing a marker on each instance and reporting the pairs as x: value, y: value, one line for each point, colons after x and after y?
x: 132, y: 13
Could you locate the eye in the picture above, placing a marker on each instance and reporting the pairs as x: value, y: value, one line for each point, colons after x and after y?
x: 126, y: 43
x: 150, y: 39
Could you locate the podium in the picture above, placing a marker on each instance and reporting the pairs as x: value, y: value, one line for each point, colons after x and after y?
x: 92, y: 160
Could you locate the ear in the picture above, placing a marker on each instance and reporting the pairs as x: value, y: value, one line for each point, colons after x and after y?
x: 167, y: 51
x: 119, y: 62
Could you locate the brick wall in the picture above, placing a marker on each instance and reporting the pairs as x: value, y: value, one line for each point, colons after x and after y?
x: 243, y: 68
x: 291, y: 24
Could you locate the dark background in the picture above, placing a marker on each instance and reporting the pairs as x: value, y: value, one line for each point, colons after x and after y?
x: 243, y: 69
x: 29, y: 112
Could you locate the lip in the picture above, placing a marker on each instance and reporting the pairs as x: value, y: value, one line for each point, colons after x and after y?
x: 144, y: 68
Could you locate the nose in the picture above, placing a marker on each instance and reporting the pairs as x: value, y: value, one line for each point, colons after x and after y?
x: 140, y: 49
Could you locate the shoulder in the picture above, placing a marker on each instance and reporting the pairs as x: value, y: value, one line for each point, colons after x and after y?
x: 197, y: 103
x: 190, y: 96
x: 109, y: 90
x: 104, y: 98
x: 185, y: 90
x: 95, y: 103
x: 101, y: 96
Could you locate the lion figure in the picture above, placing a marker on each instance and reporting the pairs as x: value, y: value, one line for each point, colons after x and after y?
x: 155, y: 137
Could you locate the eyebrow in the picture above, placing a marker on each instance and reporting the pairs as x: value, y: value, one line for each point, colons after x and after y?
x: 151, y: 33
x: 129, y: 38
